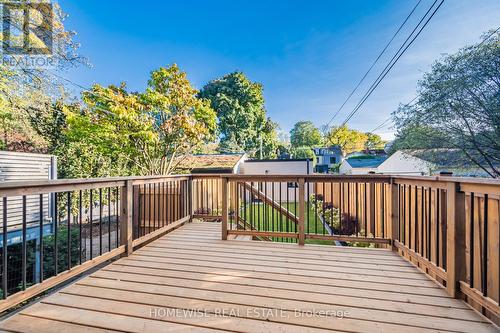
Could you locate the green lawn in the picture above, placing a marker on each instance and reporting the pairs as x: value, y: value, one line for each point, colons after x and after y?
x: 264, y: 218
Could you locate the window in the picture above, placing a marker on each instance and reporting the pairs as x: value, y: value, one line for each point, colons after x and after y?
x: 292, y: 185
x: 317, y: 159
x: 333, y: 160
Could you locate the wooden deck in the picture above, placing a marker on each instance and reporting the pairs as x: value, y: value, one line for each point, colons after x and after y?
x: 191, y: 281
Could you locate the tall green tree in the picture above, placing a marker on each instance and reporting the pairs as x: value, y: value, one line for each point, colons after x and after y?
x: 458, y: 106
x: 305, y: 134
x: 242, y: 120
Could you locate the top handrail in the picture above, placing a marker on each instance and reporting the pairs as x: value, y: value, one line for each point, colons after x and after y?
x: 42, y: 186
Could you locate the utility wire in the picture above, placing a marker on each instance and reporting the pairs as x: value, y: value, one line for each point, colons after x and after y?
x: 407, y: 104
x: 373, y: 64
x: 394, y: 59
x: 390, y: 117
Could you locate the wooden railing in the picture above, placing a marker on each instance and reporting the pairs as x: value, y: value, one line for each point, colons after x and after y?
x: 55, y: 230
x: 448, y: 227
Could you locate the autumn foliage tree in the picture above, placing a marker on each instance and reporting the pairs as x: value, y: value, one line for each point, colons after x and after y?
x: 349, y: 140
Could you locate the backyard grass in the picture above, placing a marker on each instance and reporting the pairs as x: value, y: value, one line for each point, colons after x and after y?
x: 263, y: 217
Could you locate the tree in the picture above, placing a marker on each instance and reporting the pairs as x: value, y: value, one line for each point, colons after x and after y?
x: 26, y: 91
x: 374, y: 141
x: 242, y: 120
x: 303, y: 153
x: 458, y: 106
x: 349, y: 140
x: 183, y: 120
x: 305, y: 134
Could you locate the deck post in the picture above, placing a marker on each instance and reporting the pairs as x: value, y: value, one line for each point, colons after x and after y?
x: 455, y: 247
x: 225, y: 210
x: 394, y: 214
x: 190, y: 198
x: 126, y: 198
x: 301, y: 229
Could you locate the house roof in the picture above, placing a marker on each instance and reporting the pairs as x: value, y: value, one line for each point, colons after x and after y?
x: 208, y: 163
x: 366, y: 161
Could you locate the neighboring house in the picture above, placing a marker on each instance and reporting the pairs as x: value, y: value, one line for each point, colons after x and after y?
x: 430, y: 162
x: 361, y: 164
x: 210, y: 163
x: 404, y: 163
x: 327, y: 157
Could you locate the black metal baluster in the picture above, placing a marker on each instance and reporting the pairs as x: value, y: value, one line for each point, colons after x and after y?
x: 40, y: 226
x: 109, y: 218
x: 117, y: 215
x: 100, y: 221
x: 69, y: 230
x: 24, y: 250
x: 80, y: 225
x: 56, y: 226
x: 5, y: 250
x: 91, y: 217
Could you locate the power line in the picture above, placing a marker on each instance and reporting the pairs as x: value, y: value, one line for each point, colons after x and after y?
x: 390, y: 117
x: 394, y: 59
x: 384, y: 123
x: 373, y: 64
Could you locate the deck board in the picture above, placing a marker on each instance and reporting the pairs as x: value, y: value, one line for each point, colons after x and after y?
x: 191, y: 281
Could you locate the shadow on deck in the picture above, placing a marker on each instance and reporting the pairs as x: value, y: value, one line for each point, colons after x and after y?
x: 191, y: 281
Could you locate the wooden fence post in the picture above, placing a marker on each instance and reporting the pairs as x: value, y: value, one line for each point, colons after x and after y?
x: 302, y: 204
x: 126, y: 204
x: 225, y: 210
x: 455, y: 248
x: 190, y: 198
x: 394, y: 214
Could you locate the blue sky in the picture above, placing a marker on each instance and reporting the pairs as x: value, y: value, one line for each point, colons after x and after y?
x: 308, y: 54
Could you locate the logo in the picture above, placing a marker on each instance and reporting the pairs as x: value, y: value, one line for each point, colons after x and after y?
x: 27, y: 33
